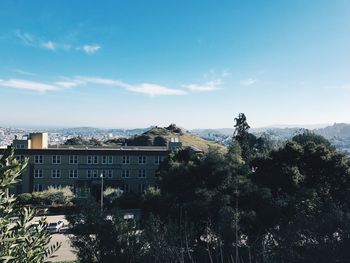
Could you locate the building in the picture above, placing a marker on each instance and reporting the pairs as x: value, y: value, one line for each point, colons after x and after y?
x: 131, y: 168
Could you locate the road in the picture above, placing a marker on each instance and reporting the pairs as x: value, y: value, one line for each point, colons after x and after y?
x: 65, y: 252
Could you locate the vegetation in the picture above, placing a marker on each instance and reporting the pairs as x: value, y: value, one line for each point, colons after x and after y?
x: 20, y: 239
x: 51, y: 196
x: 252, y: 203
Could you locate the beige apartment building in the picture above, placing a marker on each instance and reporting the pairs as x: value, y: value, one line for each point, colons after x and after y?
x: 131, y: 168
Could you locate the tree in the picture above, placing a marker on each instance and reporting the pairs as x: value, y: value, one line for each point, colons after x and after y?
x: 104, y: 237
x: 20, y: 239
x: 308, y: 186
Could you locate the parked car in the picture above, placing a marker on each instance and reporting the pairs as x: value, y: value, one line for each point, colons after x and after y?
x: 55, y: 227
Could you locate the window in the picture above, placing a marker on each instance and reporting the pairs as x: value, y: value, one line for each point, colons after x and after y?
x: 73, y: 159
x: 126, y: 188
x: 37, y: 188
x: 56, y: 186
x: 56, y: 159
x: 142, y: 173
x: 38, y: 159
x: 158, y: 159
x: 141, y: 188
x: 104, y: 173
x: 88, y: 173
x: 110, y: 173
x: 125, y: 173
x: 110, y: 159
x: 89, y: 159
x: 95, y: 173
x: 20, y: 146
x: 38, y: 173
x: 95, y: 159
x: 73, y: 173
x: 125, y: 159
x: 104, y: 159
x: 20, y: 158
x: 55, y: 173
x: 142, y: 159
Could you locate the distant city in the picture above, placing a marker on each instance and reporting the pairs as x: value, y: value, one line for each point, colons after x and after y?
x: 338, y: 134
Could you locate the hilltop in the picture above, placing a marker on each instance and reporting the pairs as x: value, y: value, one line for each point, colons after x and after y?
x: 160, y: 136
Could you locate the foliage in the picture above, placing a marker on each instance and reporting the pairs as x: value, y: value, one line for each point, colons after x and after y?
x: 51, y: 196
x: 112, y: 194
x: 20, y: 239
x: 104, y: 237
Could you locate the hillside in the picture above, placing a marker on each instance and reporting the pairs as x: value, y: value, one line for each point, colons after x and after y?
x: 159, y: 136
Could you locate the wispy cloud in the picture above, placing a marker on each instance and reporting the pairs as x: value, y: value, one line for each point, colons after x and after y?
x: 27, y: 85
x: 22, y: 72
x: 150, y: 89
x: 49, y: 45
x: 205, y: 87
x: 25, y: 38
x: 247, y: 82
x: 90, y: 49
x: 44, y: 43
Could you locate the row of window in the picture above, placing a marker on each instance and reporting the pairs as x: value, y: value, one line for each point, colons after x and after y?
x: 92, y: 159
x: 125, y: 187
x: 56, y: 173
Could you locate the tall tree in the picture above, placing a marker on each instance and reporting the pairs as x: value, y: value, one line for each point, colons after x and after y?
x: 20, y: 239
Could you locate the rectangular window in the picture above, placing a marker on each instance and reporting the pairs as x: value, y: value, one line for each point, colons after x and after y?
x: 125, y: 159
x: 110, y: 173
x: 56, y: 159
x: 56, y: 186
x: 37, y: 187
x: 73, y: 173
x: 104, y: 173
x: 20, y: 158
x: 73, y: 159
x: 142, y: 159
x: 142, y: 173
x: 110, y: 159
x: 38, y: 159
x: 125, y: 173
x: 88, y: 173
x: 95, y: 159
x: 141, y: 188
x: 89, y: 159
x: 104, y: 159
x: 95, y: 173
x: 126, y: 188
x: 38, y: 173
x: 158, y: 159
x: 55, y: 173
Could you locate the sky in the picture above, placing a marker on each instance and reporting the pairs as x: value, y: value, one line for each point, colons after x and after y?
x: 195, y: 63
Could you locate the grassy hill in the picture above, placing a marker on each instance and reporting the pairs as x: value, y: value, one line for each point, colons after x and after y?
x: 159, y: 136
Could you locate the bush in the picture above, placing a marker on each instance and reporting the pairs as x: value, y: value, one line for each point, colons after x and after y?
x: 51, y: 196
x: 24, y: 198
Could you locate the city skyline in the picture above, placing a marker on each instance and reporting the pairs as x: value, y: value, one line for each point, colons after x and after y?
x: 198, y: 64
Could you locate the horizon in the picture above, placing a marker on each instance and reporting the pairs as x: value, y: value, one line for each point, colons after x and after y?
x: 196, y: 63
x: 273, y: 126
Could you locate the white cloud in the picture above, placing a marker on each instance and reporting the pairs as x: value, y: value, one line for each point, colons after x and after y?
x: 247, y: 82
x: 19, y: 71
x: 27, y: 85
x: 155, y: 90
x: 144, y: 88
x: 206, y: 87
x: 41, y: 42
x: 25, y: 38
x: 48, y: 45
x: 90, y: 49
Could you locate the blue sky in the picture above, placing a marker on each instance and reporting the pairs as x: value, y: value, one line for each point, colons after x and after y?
x: 193, y: 63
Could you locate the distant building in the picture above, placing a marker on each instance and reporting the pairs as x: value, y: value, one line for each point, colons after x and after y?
x: 130, y: 168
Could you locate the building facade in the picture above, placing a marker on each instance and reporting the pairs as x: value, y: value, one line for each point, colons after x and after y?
x: 130, y: 168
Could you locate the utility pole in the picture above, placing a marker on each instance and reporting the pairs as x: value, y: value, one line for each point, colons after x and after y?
x: 101, y: 192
